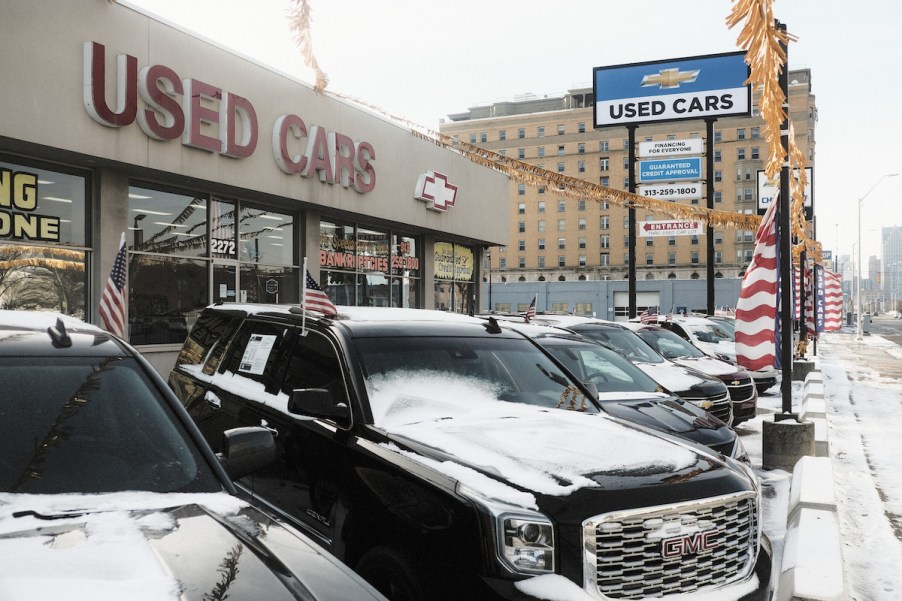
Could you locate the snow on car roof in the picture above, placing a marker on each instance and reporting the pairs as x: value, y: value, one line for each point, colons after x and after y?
x: 40, y: 320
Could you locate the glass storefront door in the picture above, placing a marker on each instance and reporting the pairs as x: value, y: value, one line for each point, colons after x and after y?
x: 225, y: 282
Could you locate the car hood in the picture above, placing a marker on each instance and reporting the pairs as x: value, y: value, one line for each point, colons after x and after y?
x: 153, y: 547
x: 710, y: 365
x: 727, y: 349
x: 673, y: 416
x: 538, y: 450
x: 683, y: 381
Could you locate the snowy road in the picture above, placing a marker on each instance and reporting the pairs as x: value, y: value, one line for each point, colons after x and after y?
x: 863, y: 394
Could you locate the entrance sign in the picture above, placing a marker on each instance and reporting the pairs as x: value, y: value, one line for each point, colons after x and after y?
x: 672, y: 90
x: 670, y: 170
x: 670, y: 148
x: 671, y: 228
x: 681, y: 191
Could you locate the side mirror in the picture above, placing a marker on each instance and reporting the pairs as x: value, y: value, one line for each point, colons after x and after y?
x: 592, y: 388
x: 319, y: 403
x: 245, y: 450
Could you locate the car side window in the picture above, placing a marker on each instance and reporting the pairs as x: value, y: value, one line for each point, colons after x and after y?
x: 313, y: 363
x: 207, y: 341
x: 256, y: 353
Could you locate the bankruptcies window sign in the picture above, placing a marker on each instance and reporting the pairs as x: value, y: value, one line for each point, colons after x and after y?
x: 672, y: 90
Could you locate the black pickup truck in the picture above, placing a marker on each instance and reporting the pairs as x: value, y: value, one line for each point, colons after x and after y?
x: 443, y: 457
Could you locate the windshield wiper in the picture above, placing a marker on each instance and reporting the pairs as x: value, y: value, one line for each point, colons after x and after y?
x: 45, y: 516
x: 556, y: 378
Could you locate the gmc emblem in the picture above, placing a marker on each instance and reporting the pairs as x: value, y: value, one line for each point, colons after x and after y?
x: 697, y: 542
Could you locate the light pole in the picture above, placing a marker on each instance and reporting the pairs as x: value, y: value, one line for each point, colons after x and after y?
x: 860, y: 201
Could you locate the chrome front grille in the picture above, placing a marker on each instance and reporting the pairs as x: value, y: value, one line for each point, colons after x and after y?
x: 674, y: 549
x: 720, y: 407
x: 742, y: 392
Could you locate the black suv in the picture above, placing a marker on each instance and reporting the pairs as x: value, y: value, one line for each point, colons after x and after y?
x: 444, y: 457
x: 108, y: 490
x: 627, y: 392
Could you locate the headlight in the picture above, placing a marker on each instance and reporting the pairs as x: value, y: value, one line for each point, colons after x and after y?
x: 526, y: 543
x: 524, y: 539
x: 739, y: 452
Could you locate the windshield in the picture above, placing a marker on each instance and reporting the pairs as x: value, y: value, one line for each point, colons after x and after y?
x: 591, y: 362
x: 670, y: 345
x: 439, y: 376
x: 728, y: 326
x: 622, y: 341
x: 91, y: 425
x: 710, y: 332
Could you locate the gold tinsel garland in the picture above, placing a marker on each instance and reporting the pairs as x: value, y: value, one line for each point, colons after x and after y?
x: 299, y: 20
x: 762, y: 41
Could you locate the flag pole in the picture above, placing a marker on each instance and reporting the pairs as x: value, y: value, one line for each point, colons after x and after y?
x: 304, y: 301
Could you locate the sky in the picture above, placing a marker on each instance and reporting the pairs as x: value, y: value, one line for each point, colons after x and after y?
x: 422, y: 60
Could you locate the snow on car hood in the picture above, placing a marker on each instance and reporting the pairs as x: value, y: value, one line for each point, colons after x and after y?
x: 140, y: 546
x: 93, y: 546
x: 708, y: 365
x: 670, y: 376
x: 542, y: 449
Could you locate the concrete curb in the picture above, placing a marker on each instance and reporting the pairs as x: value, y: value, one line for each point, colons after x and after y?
x: 813, y: 567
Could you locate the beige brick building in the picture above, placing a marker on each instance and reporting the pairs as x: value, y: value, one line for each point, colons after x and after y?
x: 553, y: 238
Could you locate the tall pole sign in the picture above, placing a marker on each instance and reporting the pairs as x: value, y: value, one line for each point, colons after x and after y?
x: 700, y: 87
x: 672, y: 90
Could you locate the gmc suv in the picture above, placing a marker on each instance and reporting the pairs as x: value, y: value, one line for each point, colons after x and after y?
x: 444, y: 457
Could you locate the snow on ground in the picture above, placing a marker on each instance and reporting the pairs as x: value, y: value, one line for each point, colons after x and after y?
x: 865, y: 438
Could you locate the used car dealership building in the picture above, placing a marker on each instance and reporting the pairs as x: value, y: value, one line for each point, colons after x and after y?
x: 222, y: 174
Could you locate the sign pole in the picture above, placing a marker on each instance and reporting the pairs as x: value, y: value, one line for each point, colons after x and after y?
x: 785, y: 267
x: 632, y: 221
x: 709, y: 176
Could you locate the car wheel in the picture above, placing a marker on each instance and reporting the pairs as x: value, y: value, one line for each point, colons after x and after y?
x: 393, y: 575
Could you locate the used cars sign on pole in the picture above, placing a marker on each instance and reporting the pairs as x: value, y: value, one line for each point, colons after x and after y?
x: 670, y: 90
x: 670, y: 170
x: 670, y: 147
x: 678, y: 227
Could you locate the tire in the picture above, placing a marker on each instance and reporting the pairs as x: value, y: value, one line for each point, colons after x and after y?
x: 393, y: 574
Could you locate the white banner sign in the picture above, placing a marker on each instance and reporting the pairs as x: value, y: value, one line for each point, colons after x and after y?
x: 767, y: 189
x: 680, y: 191
x: 670, y: 147
x: 676, y: 227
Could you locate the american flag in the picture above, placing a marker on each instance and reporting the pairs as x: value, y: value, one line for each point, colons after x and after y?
x: 756, y: 310
x: 650, y: 315
x: 531, y: 310
x: 112, y: 301
x: 832, y: 301
x: 810, y: 316
x: 315, y: 299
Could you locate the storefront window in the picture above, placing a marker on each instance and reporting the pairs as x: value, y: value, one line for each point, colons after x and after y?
x: 167, y: 223
x: 265, y: 236
x: 454, y: 273
x: 269, y: 284
x: 43, y: 217
x: 250, y: 257
x: 366, y: 266
x: 165, y: 296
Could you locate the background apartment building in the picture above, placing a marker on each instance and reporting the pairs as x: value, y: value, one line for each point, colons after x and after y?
x: 557, y: 239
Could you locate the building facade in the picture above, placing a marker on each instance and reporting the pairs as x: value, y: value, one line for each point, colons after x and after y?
x: 556, y: 239
x: 221, y: 175
x: 891, y: 277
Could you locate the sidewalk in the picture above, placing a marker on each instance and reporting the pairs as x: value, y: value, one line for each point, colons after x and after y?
x: 863, y: 441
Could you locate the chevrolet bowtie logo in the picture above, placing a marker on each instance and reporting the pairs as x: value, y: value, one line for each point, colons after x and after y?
x: 669, y: 79
x: 434, y: 188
